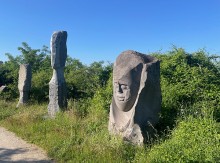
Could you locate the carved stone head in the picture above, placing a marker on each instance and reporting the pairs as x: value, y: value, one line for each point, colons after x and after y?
x: 136, y: 99
x: 58, y: 49
x: 126, y: 79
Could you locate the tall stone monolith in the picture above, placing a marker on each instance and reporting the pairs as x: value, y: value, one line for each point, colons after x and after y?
x: 57, y: 85
x: 136, y: 101
x: 24, y: 83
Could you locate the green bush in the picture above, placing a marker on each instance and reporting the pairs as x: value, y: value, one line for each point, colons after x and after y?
x: 102, y: 98
x: 187, y: 82
x: 188, y: 130
x: 193, y: 140
x: 40, y: 85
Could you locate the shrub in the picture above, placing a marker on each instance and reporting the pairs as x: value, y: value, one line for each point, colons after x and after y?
x: 186, y: 81
x: 40, y: 85
x: 193, y: 140
x: 189, y: 122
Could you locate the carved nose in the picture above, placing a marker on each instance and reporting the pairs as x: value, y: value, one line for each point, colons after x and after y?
x: 119, y: 89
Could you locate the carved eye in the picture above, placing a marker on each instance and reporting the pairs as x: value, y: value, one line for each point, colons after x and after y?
x: 124, y: 87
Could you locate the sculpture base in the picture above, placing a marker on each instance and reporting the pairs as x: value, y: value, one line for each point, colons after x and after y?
x: 23, y: 99
x: 57, y: 98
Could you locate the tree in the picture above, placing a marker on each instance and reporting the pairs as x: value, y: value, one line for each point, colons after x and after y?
x: 39, y: 60
x: 83, y: 80
x: 33, y: 56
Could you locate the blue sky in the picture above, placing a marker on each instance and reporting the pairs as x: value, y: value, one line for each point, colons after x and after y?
x: 102, y: 29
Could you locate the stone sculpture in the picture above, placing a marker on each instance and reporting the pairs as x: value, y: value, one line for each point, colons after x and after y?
x: 57, y: 85
x: 24, y: 83
x: 136, y: 99
x: 3, y: 88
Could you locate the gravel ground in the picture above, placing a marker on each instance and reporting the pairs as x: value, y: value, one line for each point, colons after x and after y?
x: 14, y: 149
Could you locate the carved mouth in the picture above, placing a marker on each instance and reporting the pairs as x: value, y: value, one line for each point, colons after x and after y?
x: 122, y: 99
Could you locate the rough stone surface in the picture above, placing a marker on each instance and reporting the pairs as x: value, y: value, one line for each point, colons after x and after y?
x: 3, y: 88
x: 58, y: 49
x: 24, y: 83
x: 57, y: 85
x: 136, y: 99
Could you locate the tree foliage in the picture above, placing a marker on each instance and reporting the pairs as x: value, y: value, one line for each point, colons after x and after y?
x: 82, y: 80
x: 188, y: 130
x: 38, y: 59
x: 190, y: 83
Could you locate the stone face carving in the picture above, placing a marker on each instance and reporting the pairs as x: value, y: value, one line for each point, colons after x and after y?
x: 57, y: 90
x: 24, y: 83
x: 136, y: 99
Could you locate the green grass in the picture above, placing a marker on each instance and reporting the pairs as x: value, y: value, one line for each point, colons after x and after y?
x: 73, y: 138
x: 193, y: 140
x: 7, y: 109
x: 68, y: 137
x: 188, y: 130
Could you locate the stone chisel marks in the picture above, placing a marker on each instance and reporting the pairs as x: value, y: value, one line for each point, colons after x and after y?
x: 57, y: 85
x: 136, y: 99
x: 24, y: 83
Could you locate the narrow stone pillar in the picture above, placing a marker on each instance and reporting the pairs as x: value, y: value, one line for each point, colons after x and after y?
x: 57, y: 85
x: 24, y: 83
